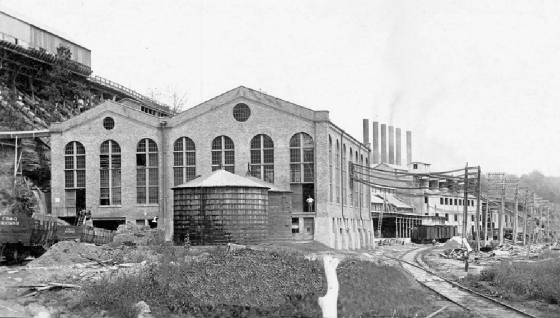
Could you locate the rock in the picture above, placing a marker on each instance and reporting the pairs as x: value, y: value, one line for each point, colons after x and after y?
x: 142, y: 309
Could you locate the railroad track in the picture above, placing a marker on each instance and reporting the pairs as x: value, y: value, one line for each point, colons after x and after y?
x: 473, y: 301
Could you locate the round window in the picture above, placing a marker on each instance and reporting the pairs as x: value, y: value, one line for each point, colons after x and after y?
x: 108, y: 123
x: 241, y: 112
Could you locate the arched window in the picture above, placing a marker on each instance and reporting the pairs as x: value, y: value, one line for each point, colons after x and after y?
x: 147, y: 172
x: 350, y: 185
x: 223, y: 154
x: 344, y: 185
x: 262, y: 158
x: 330, y: 171
x: 184, y: 160
x: 110, y: 173
x: 74, y: 165
x: 337, y: 172
x: 301, y: 158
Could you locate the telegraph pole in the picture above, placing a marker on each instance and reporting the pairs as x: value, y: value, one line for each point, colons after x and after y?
x: 465, y: 200
x: 479, y: 190
x: 501, y: 216
x: 486, y: 224
x: 516, y: 215
x: 548, y: 223
x: 525, y: 214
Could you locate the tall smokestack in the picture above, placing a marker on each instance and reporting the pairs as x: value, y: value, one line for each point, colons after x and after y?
x: 408, y: 146
x: 365, y: 129
x: 398, y: 146
x: 375, y: 142
x: 383, y: 142
x: 391, y: 144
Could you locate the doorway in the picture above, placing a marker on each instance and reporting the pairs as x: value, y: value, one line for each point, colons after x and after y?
x: 308, y: 191
x: 80, y: 199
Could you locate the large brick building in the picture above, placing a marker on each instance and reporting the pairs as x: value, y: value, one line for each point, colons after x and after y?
x: 121, y: 162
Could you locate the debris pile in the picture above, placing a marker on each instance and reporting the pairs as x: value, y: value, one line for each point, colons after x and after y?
x: 71, y: 252
x: 455, y: 253
x: 130, y: 234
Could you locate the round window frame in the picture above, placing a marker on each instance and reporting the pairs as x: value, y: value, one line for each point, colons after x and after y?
x: 108, y: 121
x: 241, y: 112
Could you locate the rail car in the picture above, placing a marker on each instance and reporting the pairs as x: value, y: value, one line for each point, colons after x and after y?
x: 428, y: 233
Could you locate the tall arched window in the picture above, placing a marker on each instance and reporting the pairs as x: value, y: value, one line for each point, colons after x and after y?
x: 361, y: 184
x: 110, y: 173
x: 330, y: 171
x: 350, y: 185
x: 74, y: 177
x: 344, y: 185
x: 184, y: 160
x: 74, y: 165
x: 301, y: 158
x: 223, y: 154
x: 262, y: 158
x: 147, y: 172
x: 337, y: 172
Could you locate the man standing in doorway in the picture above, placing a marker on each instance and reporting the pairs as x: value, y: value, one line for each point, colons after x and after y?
x: 310, y: 203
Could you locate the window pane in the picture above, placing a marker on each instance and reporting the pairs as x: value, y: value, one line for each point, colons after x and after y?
x: 141, y: 177
x: 178, y: 159
x: 177, y: 176
x: 116, y: 196
x: 255, y: 156
x: 141, y: 146
x: 141, y: 195
x: 229, y: 157
x: 104, y: 178
x: 152, y: 146
x: 153, y: 160
x: 307, y: 140
x: 308, y: 172
x: 153, y: 195
x: 308, y: 155
x: 81, y: 162
x: 115, y: 161
x: 295, y: 173
x: 295, y: 155
x: 256, y: 142
x: 191, y: 173
x: 105, y: 147
x: 228, y: 143
x: 115, y: 147
x: 217, y: 143
x: 191, y: 159
x: 269, y: 173
x: 141, y: 160
x: 295, y: 141
x: 116, y: 177
x: 81, y: 176
x: 256, y: 171
x: 69, y: 178
x: 230, y: 169
x: 189, y: 144
x: 267, y: 142
x: 216, y: 157
x: 178, y: 145
x: 104, y: 161
x: 69, y: 149
x: 68, y: 162
x: 268, y: 155
x: 153, y: 176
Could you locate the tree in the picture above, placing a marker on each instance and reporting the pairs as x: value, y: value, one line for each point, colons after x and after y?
x: 177, y: 100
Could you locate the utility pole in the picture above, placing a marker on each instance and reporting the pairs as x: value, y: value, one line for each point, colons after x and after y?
x: 501, y: 216
x: 548, y: 222
x: 478, y: 190
x: 486, y: 224
x: 516, y: 215
x: 465, y: 200
x: 525, y: 215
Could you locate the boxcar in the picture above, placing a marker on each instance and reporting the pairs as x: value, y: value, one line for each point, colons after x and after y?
x: 428, y: 233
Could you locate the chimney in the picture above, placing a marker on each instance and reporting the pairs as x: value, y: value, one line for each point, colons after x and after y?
x: 375, y: 143
x: 383, y: 142
x: 365, y: 130
x: 398, y: 146
x: 408, y: 146
x: 391, y: 144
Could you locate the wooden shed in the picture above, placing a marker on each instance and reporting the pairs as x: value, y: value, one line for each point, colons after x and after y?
x: 219, y: 208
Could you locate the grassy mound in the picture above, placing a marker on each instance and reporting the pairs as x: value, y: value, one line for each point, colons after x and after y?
x: 249, y: 283
x: 536, y: 280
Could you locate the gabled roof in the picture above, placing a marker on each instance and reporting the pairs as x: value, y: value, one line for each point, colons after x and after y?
x: 221, y: 178
x: 254, y: 95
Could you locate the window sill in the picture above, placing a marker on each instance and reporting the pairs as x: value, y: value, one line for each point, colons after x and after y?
x: 110, y: 206
x: 148, y: 205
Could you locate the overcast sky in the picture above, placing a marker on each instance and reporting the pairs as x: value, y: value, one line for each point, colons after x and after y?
x: 475, y: 81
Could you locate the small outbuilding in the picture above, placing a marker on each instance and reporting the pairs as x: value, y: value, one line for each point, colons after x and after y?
x: 219, y: 208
